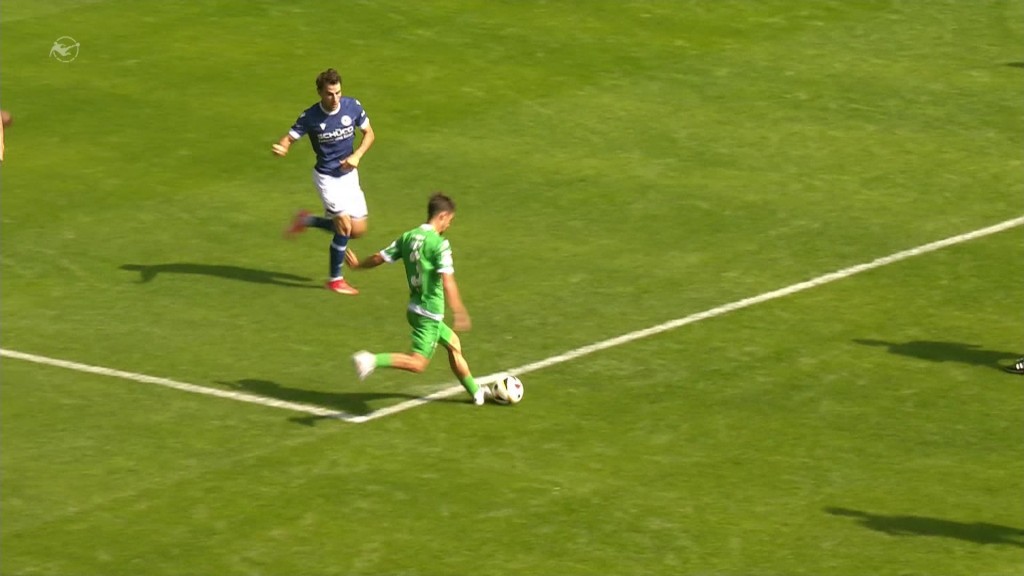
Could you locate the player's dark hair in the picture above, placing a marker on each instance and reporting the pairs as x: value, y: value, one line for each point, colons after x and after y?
x: 326, y: 78
x: 439, y: 203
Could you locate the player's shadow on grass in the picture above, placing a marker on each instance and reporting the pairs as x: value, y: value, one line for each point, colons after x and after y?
x: 946, y: 352
x: 147, y: 273
x: 351, y: 403
x: 977, y: 532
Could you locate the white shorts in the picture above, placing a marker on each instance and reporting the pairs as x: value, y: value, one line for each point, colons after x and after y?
x: 341, y: 195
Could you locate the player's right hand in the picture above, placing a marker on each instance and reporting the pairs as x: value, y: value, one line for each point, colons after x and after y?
x: 351, y: 162
x: 279, y: 150
x: 461, y: 321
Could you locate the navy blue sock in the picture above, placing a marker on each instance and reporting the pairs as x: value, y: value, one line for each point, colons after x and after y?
x: 320, y: 222
x: 338, y: 246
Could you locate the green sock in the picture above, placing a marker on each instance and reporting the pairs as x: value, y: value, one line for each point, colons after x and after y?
x: 469, y: 384
x: 382, y: 360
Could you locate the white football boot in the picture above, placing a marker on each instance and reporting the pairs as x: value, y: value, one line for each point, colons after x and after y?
x: 365, y: 362
x: 483, y: 394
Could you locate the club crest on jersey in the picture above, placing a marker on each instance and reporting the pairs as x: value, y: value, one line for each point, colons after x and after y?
x: 346, y: 120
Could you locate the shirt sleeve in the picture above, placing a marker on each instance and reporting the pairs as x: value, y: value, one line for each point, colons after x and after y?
x: 445, y: 263
x: 299, y: 128
x: 362, y: 120
x: 392, y: 252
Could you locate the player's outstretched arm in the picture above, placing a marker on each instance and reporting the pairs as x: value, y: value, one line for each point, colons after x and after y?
x: 371, y: 262
x: 460, y: 316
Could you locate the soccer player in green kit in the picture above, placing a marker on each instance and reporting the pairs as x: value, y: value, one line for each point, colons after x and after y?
x: 430, y: 273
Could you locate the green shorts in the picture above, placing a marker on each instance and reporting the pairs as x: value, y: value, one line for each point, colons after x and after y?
x: 426, y: 333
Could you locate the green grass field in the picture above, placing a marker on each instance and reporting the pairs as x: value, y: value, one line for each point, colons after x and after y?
x: 617, y: 164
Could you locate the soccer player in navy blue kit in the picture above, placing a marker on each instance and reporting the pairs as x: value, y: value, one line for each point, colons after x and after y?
x: 330, y: 125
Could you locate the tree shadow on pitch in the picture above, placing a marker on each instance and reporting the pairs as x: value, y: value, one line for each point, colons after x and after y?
x: 977, y: 532
x: 351, y: 403
x: 149, y: 272
x: 935, y: 351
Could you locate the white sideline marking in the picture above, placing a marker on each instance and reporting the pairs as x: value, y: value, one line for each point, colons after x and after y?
x: 241, y: 397
x: 534, y: 366
x: 725, y: 308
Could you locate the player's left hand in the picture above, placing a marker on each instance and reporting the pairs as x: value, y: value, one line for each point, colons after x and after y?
x: 351, y: 259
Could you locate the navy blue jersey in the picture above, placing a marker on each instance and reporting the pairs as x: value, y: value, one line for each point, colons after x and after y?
x: 332, y: 134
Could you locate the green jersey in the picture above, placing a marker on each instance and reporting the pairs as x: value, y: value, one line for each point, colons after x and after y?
x: 426, y: 255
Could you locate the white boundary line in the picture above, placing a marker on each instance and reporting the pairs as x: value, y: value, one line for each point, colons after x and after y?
x: 724, y: 309
x: 241, y: 397
x: 454, y: 389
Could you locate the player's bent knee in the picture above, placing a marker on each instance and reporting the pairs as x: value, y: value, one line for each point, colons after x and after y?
x: 358, y: 227
x: 419, y: 363
x: 343, y: 224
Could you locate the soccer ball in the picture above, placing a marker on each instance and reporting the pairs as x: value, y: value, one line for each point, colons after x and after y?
x: 508, y: 389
